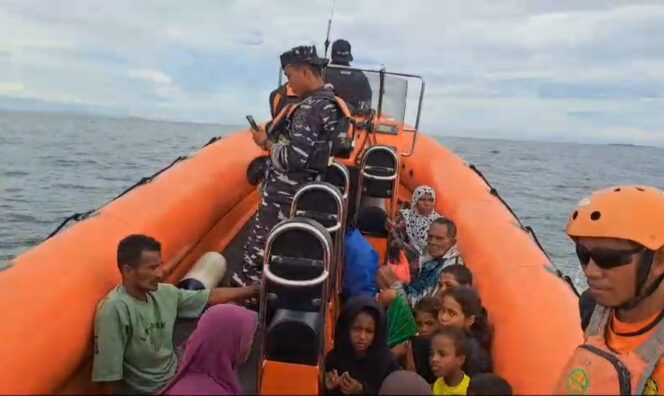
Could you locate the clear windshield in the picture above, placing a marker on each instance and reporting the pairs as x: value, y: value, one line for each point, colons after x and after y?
x: 401, y: 93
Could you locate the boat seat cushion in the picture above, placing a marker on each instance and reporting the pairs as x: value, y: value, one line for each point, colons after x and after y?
x: 294, y: 337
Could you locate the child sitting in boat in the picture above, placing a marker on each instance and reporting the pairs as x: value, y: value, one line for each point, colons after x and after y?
x: 488, y: 384
x: 426, y: 317
x: 455, y: 275
x: 449, y: 350
x: 462, y: 308
x: 442, y: 252
x: 360, y: 360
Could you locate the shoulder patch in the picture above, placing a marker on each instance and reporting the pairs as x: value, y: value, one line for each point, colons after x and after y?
x: 651, y: 388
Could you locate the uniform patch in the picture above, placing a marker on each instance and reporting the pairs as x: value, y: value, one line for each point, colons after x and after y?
x: 651, y: 388
x: 578, y: 382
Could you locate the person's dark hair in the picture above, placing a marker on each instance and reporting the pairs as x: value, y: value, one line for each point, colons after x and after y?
x: 458, y: 337
x: 461, y: 273
x: 430, y: 305
x: 317, y: 71
x: 471, y: 304
x: 131, y: 248
x: 488, y: 384
x: 451, y: 227
x: 404, y: 382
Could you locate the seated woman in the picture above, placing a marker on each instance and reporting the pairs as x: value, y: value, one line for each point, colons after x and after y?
x: 408, y: 233
x: 221, y: 342
x: 360, y: 360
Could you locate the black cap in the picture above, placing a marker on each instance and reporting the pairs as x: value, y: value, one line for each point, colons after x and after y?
x: 304, y: 54
x: 341, y: 51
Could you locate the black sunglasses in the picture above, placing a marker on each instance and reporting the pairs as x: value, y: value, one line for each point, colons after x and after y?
x: 606, y: 258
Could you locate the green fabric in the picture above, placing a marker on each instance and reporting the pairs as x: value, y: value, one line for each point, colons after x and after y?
x: 401, y: 324
x: 134, y: 339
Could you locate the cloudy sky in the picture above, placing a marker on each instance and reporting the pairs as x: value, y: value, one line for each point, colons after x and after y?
x: 580, y: 70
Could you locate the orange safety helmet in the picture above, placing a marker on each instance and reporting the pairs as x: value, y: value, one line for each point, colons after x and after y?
x: 634, y: 213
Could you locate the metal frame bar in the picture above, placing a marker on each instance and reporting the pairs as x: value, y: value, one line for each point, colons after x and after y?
x: 327, y: 258
x: 395, y: 178
x: 339, y: 248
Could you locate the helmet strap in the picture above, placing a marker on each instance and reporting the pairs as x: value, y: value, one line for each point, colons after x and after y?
x: 642, y: 272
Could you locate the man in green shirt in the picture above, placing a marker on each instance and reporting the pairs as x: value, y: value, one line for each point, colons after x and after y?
x: 133, y: 348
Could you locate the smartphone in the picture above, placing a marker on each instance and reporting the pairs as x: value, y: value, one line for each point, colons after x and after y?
x: 252, y: 123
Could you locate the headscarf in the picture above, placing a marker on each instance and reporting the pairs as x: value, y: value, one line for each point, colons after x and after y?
x: 417, y: 225
x: 214, y: 351
x: 378, y: 362
x: 403, y: 382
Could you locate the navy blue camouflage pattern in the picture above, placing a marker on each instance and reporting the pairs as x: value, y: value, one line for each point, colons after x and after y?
x: 291, y: 166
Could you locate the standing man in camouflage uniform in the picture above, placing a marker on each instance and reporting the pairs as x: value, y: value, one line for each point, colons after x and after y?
x: 298, y: 148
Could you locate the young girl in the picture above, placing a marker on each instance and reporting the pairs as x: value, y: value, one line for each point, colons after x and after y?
x: 361, y: 359
x: 426, y: 317
x: 449, y: 349
x: 461, y: 307
x: 455, y: 275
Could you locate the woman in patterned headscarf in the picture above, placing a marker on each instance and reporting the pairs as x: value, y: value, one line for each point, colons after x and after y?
x: 410, y: 228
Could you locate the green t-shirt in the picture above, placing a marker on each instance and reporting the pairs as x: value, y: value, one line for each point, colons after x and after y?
x: 134, y: 339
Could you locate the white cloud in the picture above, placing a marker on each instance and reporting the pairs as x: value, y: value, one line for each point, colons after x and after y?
x: 571, y: 69
x: 10, y: 88
x: 154, y: 76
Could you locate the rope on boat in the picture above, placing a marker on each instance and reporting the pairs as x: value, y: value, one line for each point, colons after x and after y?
x: 566, y: 278
x: 144, y: 180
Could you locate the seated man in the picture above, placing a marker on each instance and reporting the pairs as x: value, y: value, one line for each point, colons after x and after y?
x: 133, y: 334
x: 441, y: 252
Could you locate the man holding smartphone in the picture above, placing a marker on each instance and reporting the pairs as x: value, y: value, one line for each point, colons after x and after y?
x: 298, y: 149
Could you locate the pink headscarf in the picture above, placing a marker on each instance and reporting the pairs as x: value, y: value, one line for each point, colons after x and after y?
x: 214, y: 351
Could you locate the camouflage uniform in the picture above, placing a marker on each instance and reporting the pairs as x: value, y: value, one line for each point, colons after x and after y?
x: 313, y: 122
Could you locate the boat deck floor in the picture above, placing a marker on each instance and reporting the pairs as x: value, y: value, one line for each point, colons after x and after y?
x: 183, y: 328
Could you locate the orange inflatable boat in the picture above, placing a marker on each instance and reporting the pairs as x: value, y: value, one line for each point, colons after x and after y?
x: 203, y: 202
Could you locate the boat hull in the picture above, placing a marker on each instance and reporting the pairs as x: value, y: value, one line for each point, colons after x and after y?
x: 49, y: 295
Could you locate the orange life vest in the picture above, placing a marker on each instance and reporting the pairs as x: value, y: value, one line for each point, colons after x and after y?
x: 284, y: 92
x: 342, y: 143
x: 597, y: 370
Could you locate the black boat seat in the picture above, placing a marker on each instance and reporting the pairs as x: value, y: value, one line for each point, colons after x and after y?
x: 295, y: 282
x: 338, y: 175
x: 325, y: 204
x: 321, y: 202
x: 294, y: 337
x: 379, y: 169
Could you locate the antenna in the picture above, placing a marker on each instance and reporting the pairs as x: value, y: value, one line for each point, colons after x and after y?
x: 329, y: 26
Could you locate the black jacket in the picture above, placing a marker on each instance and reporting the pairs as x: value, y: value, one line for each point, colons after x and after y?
x: 379, y: 361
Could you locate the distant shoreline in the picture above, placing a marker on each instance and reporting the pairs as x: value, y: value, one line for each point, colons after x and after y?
x: 446, y: 134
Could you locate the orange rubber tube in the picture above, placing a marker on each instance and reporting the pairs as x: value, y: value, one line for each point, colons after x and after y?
x: 48, y: 298
x: 535, y: 314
